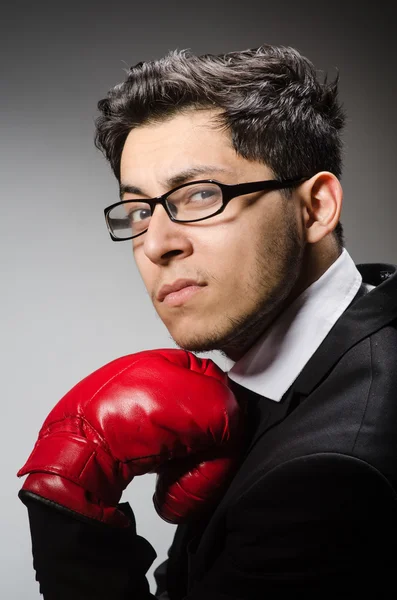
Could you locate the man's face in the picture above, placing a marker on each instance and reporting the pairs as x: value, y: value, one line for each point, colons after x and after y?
x: 244, y: 261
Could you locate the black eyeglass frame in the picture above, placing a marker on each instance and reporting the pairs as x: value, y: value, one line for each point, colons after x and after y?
x: 228, y: 193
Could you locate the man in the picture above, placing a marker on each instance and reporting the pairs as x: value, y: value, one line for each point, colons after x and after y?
x: 229, y: 172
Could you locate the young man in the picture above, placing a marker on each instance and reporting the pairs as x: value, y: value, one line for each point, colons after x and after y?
x: 283, y: 474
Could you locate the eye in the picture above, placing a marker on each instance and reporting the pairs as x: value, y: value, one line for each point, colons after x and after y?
x: 200, y: 195
x: 136, y: 215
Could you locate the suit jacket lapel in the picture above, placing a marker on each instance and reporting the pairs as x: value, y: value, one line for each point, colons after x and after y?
x: 368, y: 313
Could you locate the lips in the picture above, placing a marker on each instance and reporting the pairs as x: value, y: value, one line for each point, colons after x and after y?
x: 176, y: 287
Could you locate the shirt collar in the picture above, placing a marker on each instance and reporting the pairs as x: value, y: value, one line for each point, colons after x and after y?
x: 273, y: 363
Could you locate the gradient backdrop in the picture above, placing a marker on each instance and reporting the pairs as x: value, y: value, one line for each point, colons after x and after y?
x: 71, y: 299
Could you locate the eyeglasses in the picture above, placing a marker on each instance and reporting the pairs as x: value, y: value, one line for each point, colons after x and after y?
x: 187, y: 203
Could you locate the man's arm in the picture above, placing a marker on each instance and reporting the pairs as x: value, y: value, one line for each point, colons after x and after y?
x: 160, y: 576
x: 163, y: 411
x: 86, y: 560
x: 319, y: 527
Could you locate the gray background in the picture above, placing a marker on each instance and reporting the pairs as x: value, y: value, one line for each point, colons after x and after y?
x: 71, y: 299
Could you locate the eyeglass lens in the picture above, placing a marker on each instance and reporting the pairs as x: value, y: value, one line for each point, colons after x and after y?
x: 188, y: 203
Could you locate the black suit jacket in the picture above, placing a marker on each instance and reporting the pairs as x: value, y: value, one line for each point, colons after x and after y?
x: 312, y: 509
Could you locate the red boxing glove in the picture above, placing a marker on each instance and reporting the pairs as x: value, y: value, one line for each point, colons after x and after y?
x: 163, y: 411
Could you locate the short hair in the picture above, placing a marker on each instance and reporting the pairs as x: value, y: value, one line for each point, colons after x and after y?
x: 270, y: 99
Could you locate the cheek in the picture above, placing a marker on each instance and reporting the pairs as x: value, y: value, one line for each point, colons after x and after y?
x: 228, y: 258
x: 251, y: 250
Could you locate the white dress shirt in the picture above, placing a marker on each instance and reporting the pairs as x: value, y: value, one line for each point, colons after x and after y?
x: 273, y: 363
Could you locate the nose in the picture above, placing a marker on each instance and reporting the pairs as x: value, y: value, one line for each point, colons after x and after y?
x: 165, y: 240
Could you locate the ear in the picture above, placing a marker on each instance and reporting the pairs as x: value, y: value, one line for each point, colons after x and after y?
x: 322, y: 197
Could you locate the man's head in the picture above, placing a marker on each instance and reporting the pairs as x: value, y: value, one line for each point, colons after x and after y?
x: 241, y: 117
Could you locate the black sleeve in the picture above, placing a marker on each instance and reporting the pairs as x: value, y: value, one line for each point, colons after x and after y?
x: 81, y: 560
x: 318, y: 527
x: 160, y: 576
x: 323, y: 526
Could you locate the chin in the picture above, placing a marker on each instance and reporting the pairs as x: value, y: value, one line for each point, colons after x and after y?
x: 195, y: 345
x: 205, y: 339
x: 196, y: 342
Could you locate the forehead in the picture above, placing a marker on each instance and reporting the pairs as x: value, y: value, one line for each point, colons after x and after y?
x: 157, y: 152
x: 189, y: 134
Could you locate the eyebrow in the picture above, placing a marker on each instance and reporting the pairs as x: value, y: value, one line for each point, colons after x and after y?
x: 178, y: 179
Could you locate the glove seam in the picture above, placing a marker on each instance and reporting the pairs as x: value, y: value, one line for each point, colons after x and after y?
x: 86, y: 424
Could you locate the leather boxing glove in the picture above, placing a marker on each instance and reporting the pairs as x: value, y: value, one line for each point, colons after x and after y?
x: 163, y: 411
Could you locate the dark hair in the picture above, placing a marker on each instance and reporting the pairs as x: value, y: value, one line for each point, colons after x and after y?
x: 270, y: 99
